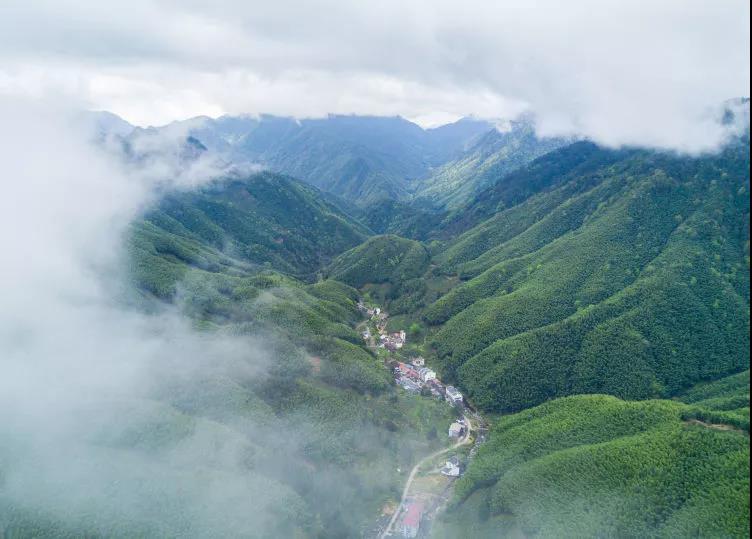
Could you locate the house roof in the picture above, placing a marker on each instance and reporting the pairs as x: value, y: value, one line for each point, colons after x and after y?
x: 413, y: 514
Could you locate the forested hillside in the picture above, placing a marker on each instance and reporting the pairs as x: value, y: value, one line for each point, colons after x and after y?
x: 597, y: 466
x: 617, y: 276
x: 493, y: 156
x: 305, y: 428
x: 600, y: 297
x: 263, y: 220
x: 617, y: 272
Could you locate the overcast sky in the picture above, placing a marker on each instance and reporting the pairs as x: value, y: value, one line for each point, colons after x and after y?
x: 617, y: 71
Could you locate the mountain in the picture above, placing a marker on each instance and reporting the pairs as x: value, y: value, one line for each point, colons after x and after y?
x: 381, y: 259
x: 292, y: 414
x: 599, y: 299
x: 597, y: 466
x: 588, y: 270
x: 102, y: 123
x: 600, y: 272
x: 360, y: 158
x: 591, y: 303
x: 262, y: 221
x: 494, y: 155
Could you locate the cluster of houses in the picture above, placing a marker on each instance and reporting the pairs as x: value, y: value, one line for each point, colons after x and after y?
x: 392, y: 341
x: 415, y: 376
x: 375, y: 314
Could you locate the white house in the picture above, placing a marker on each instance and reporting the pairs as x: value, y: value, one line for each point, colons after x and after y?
x: 455, y: 430
x: 418, y: 361
x: 452, y: 467
x: 426, y: 374
x: 453, y: 396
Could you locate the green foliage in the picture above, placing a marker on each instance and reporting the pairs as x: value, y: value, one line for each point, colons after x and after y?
x: 381, y: 259
x: 347, y: 427
x: 492, y: 157
x: 626, y: 276
x: 596, y: 466
x: 264, y: 220
x: 360, y: 158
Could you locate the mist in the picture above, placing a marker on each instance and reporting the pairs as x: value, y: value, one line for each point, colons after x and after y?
x: 125, y: 415
x: 93, y: 434
x: 618, y: 72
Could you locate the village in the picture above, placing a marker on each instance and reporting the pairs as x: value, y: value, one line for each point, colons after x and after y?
x: 426, y: 491
x: 413, y: 376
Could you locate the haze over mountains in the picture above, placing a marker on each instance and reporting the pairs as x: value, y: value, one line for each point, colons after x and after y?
x: 376, y: 269
x: 598, y: 298
x: 365, y: 159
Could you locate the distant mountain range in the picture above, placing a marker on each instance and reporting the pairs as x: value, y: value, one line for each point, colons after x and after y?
x: 364, y: 159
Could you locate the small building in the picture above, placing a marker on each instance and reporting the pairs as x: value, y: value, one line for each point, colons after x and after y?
x: 452, y: 467
x: 406, y: 370
x: 438, y: 386
x: 426, y: 374
x: 411, y: 520
x: 453, y: 396
x: 409, y: 385
x: 456, y: 430
x: 418, y: 361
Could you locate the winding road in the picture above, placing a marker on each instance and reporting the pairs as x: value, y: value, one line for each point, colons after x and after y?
x: 414, y: 472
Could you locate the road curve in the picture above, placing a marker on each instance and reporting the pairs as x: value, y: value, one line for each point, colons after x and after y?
x: 414, y: 472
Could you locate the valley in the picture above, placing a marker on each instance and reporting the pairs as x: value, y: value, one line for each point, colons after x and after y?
x: 578, y: 302
x: 560, y: 349
x: 419, y: 504
x: 375, y: 270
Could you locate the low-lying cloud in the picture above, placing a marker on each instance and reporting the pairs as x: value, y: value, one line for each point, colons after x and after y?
x: 619, y: 72
x: 91, y: 438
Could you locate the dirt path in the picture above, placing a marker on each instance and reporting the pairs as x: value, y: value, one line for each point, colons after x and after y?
x: 716, y: 426
x: 414, y: 472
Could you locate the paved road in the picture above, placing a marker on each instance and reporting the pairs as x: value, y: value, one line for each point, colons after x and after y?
x: 414, y: 472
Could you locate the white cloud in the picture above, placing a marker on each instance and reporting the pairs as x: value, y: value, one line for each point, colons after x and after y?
x: 80, y: 369
x: 621, y: 72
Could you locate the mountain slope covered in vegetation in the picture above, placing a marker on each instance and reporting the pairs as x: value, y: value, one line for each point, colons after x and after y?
x: 263, y: 220
x: 624, y: 273
x: 363, y: 159
x: 305, y: 428
x: 494, y: 155
x: 597, y: 466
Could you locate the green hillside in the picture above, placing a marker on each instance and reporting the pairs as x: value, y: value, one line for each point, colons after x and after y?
x: 263, y: 220
x: 304, y: 442
x: 608, y: 272
x: 597, y: 466
x: 363, y: 159
x: 592, y: 303
x: 493, y: 156
x: 381, y: 259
